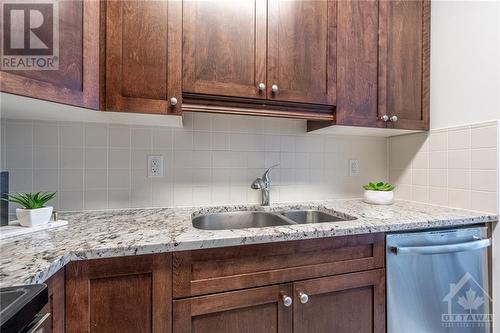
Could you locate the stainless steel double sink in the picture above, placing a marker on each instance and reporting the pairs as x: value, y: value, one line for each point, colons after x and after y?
x: 260, y: 219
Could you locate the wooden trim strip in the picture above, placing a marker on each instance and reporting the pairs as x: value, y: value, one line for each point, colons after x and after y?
x: 426, y: 60
x: 257, y: 112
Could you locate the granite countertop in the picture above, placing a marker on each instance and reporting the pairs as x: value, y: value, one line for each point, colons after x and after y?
x: 98, y: 234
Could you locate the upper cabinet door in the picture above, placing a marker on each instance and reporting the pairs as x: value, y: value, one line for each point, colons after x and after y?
x: 357, y: 63
x: 404, y: 62
x: 224, y: 47
x: 301, y: 51
x: 73, y: 52
x: 143, y: 56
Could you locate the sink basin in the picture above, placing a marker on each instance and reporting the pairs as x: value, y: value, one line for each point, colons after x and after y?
x: 238, y: 220
x: 311, y: 216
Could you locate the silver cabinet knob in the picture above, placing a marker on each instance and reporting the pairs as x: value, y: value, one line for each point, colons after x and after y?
x: 304, y: 298
x: 385, y: 118
x: 274, y: 88
x: 287, y: 300
x: 262, y: 86
x: 394, y: 119
x: 173, y: 101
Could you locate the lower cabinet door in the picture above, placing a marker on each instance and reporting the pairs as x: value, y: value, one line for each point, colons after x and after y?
x: 119, y: 295
x: 247, y: 311
x: 343, y: 303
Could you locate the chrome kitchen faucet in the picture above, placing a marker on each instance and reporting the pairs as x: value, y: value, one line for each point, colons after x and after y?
x: 264, y: 184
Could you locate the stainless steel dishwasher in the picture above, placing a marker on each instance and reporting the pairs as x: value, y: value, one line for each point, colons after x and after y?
x: 438, y: 281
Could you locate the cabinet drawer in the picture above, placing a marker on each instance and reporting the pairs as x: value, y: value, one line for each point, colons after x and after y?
x: 209, y: 271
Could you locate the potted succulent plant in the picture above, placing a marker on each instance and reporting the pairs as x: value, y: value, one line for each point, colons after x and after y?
x: 379, y: 193
x: 34, y: 211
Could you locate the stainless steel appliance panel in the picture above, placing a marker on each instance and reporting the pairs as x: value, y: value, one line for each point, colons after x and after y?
x: 438, y: 281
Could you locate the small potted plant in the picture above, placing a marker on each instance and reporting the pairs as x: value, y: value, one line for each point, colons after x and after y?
x: 379, y: 193
x: 34, y: 212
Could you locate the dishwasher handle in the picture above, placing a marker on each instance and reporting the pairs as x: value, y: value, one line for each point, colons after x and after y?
x: 441, y: 249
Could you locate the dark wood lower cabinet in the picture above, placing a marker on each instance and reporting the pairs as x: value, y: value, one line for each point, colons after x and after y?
x: 344, y: 303
x: 343, y: 277
x: 246, y: 311
x: 127, y: 294
x: 347, y: 303
x: 55, y: 306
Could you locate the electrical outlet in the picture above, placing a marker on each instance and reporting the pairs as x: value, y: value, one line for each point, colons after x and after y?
x: 353, y: 168
x: 155, y: 166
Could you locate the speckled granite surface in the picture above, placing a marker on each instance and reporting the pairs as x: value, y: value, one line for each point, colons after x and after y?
x: 34, y: 258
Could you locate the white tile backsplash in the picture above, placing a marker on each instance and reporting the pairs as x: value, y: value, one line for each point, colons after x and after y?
x: 213, y: 160
x: 459, y: 139
x: 458, y: 169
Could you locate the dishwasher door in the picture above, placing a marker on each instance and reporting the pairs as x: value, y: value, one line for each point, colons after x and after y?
x: 438, y: 281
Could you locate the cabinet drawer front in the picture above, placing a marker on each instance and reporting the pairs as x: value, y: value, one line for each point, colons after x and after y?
x: 216, y: 270
x: 251, y: 310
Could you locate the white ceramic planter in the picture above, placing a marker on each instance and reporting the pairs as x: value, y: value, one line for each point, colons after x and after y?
x: 34, y: 217
x: 379, y: 197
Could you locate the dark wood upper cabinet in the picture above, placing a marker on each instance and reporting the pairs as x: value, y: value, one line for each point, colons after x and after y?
x: 301, y: 51
x: 224, y: 48
x: 126, y: 294
x: 343, y: 304
x: 357, y: 63
x: 405, y: 63
x: 246, y: 311
x: 383, y: 52
x: 274, y: 58
x: 76, y: 81
x: 143, y: 56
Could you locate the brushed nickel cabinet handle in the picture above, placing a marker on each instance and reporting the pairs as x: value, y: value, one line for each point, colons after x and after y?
x: 287, y: 300
x: 304, y: 298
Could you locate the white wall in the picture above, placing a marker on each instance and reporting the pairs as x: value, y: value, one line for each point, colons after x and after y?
x: 465, y: 78
x: 465, y: 62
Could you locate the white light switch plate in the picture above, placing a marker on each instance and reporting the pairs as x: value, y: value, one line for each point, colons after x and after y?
x: 353, y: 168
x: 155, y: 166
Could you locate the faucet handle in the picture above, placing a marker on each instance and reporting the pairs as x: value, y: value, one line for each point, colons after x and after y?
x: 257, y: 184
